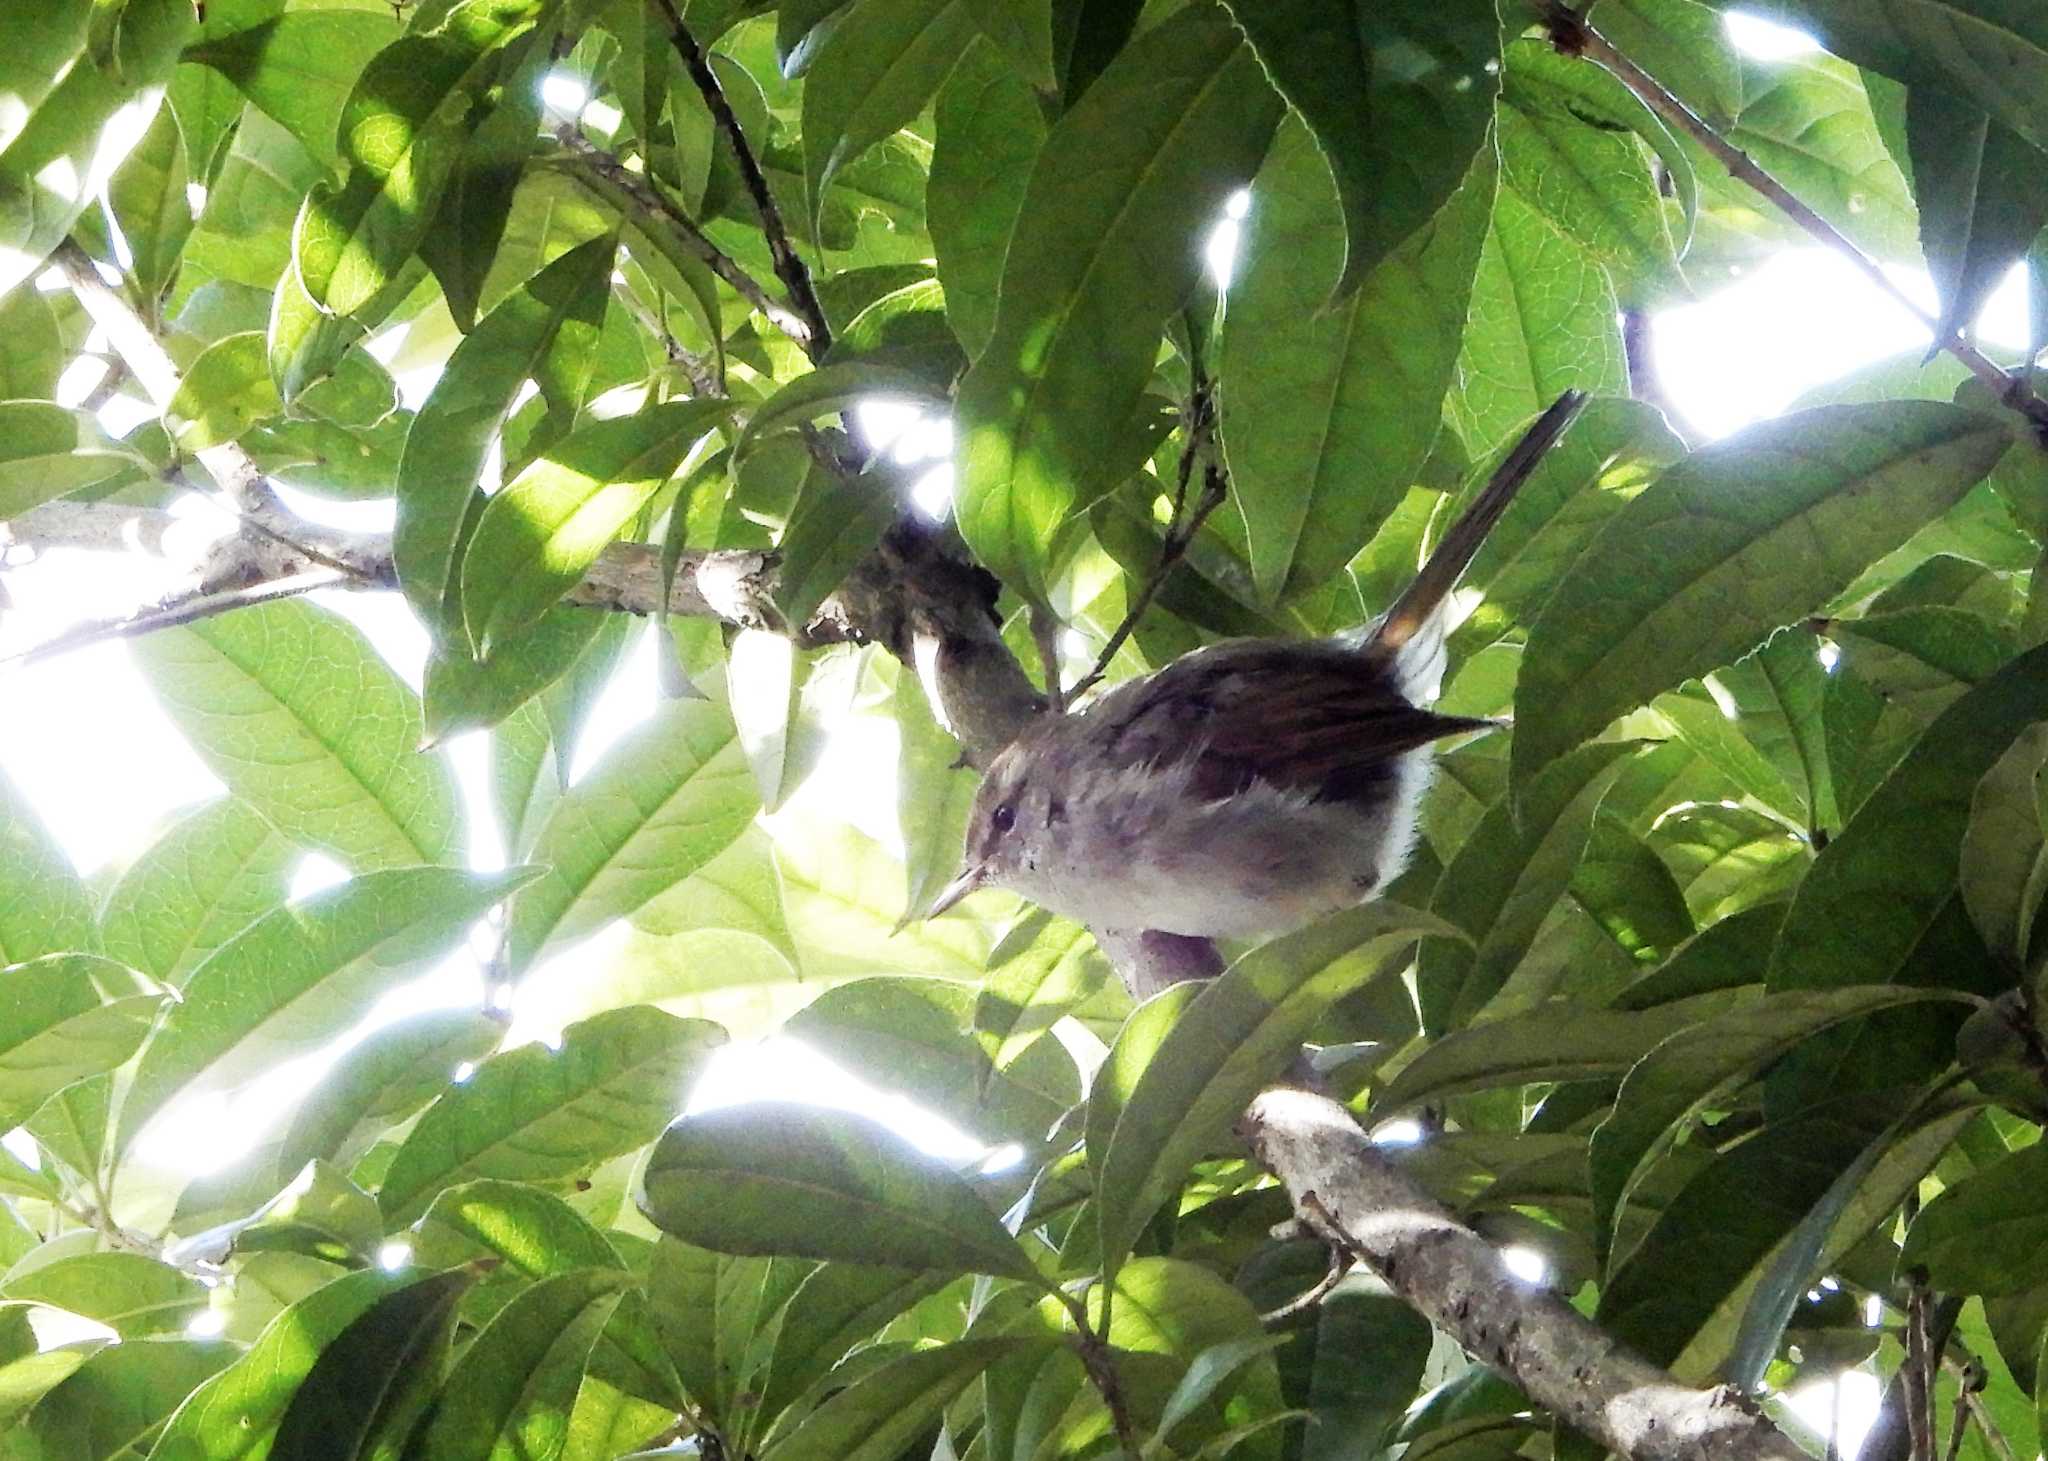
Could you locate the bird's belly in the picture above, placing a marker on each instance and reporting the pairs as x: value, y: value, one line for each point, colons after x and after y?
x: 1231, y: 869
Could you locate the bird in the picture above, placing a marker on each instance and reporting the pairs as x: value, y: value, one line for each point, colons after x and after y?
x: 1250, y: 787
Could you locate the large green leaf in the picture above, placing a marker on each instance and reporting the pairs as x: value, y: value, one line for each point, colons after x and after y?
x: 1103, y: 251
x: 235, y: 1415
x: 1709, y: 1059
x: 878, y: 67
x: 1741, y: 538
x: 1979, y: 209
x: 989, y: 127
x: 665, y: 801
x: 1238, y: 1035
x: 877, y: 1416
x: 513, y: 1390
x: 376, y: 1378
x: 1569, y: 1044
x: 60, y: 145
x: 44, y: 908
x: 399, y: 132
x: 812, y: 1182
x: 1500, y: 885
x: 300, y: 68
x: 1982, y: 1235
x: 65, y: 1017
x: 537, y: 537
x: 1332, y: 406
x: 148, y: 199
x: 110, y: 1408
x: 303, y: 974
x: 289, y: 705
x: 1399, y: 97
x: 1542, y: 322
x: 468, y: 407
x: 2004, y: 854
x: 205, y: 880
x: 47, y: 451
x: 132, y: 1294
x: 537, y: 1114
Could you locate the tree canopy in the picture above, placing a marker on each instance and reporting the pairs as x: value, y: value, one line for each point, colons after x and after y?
x: 1704, y: 1038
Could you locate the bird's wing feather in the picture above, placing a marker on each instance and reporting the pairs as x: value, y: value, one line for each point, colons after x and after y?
x: 1313, y: 717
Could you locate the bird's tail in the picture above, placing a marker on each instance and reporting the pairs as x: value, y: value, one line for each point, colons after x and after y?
x: 1412, y: 630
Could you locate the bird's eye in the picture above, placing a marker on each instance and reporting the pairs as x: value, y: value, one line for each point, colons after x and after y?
x: 1004, y: 818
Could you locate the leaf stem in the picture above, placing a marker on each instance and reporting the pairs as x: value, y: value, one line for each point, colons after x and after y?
x: 1574, y: 36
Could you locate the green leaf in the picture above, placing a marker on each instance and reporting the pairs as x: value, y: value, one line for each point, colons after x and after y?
x: 1979, y: 209
x: 1542, y: 322
x: 290, y: 706
x: 1399, y: 97
x: 462, y: 244
x: 877, y: 68
x: 1239, y: 1034
x: 538, y: 1235
x: 400, y: 134
x: 1981, y: 1234
x: 1868, y: 911
x: 1707, y: 1060
x: 990, y: 127
x: 1044, y: 969
x: 209, y: 877
x: 2004, y: 855
x: 131, y: 1294
x: 1098, y: 261
x: 300, y: 68
x: 512, y: 1391
x: 382, y: 1081
x: 934, y: 794
x: 1997, y: 55
x: 32, y: 355
x: 147, y: 198
x: 62, y: 142
x: 303, y: 974
x: 44, y: 908
x: 375, y: 1378
x: 462, y: 693
x: 538, y: 536
x: 837, y: 1307
x: 825, y: 392
x: 1500, y: 885
x: 812, y: 1182
x: 65, y: 1017
x: 47, y: 451
x: 1023, y: 32
x: 1567, y: 1044
x: 224, y: 393
x: 912, y: 1034
x: 468, y: 407
x: 111, y: 1407
x: 879, y: 1415
x: 537, y: 1115
x: 235, y: 1415
x: 666, y: 800
x: 835, y: 523
x: 1332, y: 407
x: 1740, y: 538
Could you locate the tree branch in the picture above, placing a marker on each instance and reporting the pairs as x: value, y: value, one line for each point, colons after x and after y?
x: 1571, y: 34
x: 604, y: 174
x: 789, y: 268
x: 1455, y: 1278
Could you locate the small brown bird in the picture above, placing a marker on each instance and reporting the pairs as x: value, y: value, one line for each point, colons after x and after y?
x: 1249, y: 787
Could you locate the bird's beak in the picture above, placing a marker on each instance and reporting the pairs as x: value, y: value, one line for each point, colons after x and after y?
x: 972, y: 877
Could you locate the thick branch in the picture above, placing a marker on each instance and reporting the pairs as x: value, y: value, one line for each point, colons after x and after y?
x: 789, y: 268
x: 1455, y: 1278
x: 1572, y: 34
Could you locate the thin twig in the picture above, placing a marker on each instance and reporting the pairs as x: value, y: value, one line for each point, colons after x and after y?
x: 1340, y: 1266
x: 621, y: 181
x: 1045, y: 637
x: 1571, y: 34
x: 1919, y: 1389
x: 1101, y: 1365
x: 702, y: 376
x: 789, y: 268
x: 182, y: 609
x: 1968, y: 1383
x: 1180, y: 533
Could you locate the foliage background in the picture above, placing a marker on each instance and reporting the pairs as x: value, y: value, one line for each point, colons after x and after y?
x: 1714, y: 984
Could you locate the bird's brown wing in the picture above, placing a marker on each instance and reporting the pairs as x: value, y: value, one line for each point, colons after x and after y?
x: 1314, y: 717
